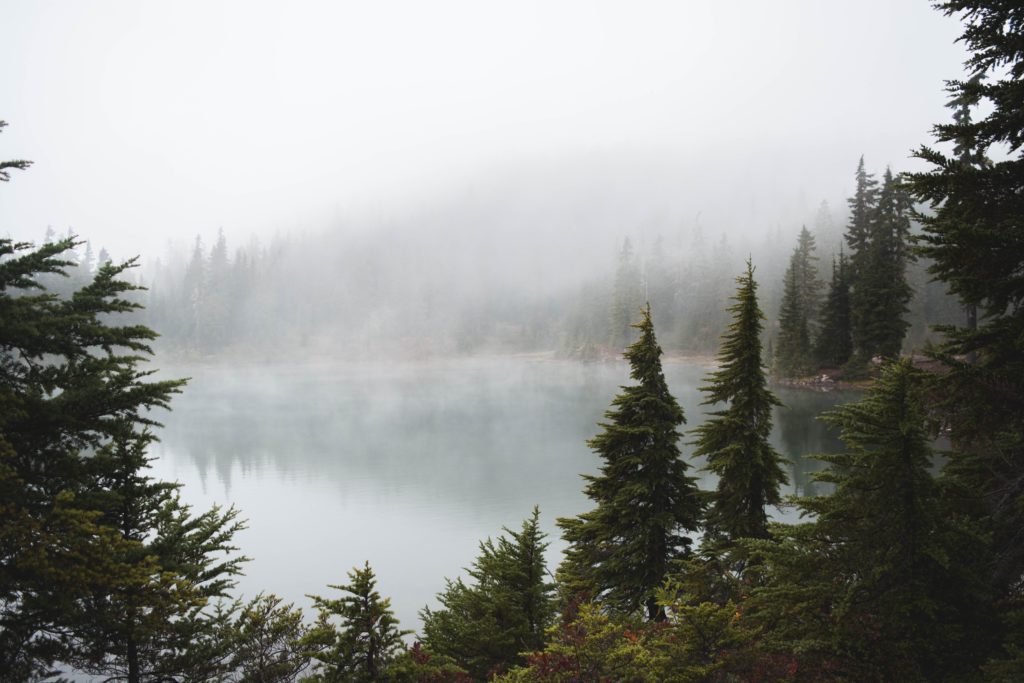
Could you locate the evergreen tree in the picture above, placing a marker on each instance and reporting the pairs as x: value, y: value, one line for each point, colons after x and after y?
x: 366, y: 640
x: 793, y: 352
x: 799, y: 311
x: 622, y: 550
x: 267, y: 642
x: 874, y: 587
x: 103, y: 568
x: 626, y: 296
x: 69, y: 386
x: 834, y: 344
x: 862, y: 207
x: 174, y: 623
x: 975, y: 238
x: 880, y: 291
x: 735, y: 438
x: 484, y: 627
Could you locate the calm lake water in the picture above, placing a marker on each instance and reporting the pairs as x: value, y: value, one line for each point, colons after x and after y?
x: 410, y: 465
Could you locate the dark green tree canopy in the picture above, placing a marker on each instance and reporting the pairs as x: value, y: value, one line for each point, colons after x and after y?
x: 356, y: 637
x: 103, y: 568
x: 734, y: 439
x: 485, y: 626
x: 834, y: 344
x: 974, y: 235
x: 798, y: 317
x: 873, y: 587
x: 621, y: 551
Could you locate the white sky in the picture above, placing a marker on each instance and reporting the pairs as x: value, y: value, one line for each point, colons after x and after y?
x: 152, y: 119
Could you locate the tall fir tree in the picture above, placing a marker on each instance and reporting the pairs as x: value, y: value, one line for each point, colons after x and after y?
x: 621, y: 551
x: 975, y: 238
x: 798, y: 316
x: 834, y: 344
x: 862, y: 208
x: 734, y: 439
x: 880, y: 291
x: 791, y: 355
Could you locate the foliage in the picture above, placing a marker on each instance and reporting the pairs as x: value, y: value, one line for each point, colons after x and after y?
x: 268, y: 638
x: 873, y: 587
x: 484, y: 627
x: 694, y: 643
x: 834, y: 344
x: 364, y: 641
x: 591, y: 647
x: 734, y: 439
x: 975, y: 238
x: 419, y: 664
x: 621, y: 550
x: 19, y: 164
x: 798, y: 317
x: 880, y: 289
x: 102, y: 567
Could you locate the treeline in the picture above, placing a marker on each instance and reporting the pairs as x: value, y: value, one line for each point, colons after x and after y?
x: 902, y: 573
x: 862, y: 312
x: 352, y: 296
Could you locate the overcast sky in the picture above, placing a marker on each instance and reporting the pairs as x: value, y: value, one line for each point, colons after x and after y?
x: 153, y: 119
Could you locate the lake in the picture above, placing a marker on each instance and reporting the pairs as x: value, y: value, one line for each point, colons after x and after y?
x: 411, y: 465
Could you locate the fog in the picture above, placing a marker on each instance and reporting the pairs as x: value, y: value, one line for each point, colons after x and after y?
x: 338, y: 464
x: 576, y: 122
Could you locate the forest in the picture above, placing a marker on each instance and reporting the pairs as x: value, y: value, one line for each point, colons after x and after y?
x: 908, y: 566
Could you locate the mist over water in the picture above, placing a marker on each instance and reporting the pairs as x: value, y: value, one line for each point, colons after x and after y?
x: 410, y: 465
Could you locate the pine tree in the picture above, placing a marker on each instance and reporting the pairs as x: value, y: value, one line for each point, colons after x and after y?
x: 267, y: 642
x: 880, y: 291
x: 834, y: 344
x: 798, y: 316
x: 792, y: 355
x: 486, y: 625
x: 735, y: 438
x: 366, y: 639
x: 104, y: 569
x: 873, y: 588
x: 975, y: 238
x: 862, y: 208
x: 622, y: 550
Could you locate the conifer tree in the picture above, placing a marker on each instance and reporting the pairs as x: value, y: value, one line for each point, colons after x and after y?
x: 872, y: 588
x: 621, y: 551
x: 735, y: 438
x: 880, y: 291
x: 486, y: 625
x: 267, y: 642
x: 365, y: 640
x: 975, y: 238
x: 104, y: 569
x: 791, y: 357
x: 834, y: 344
x: 862, y: 208
x: 799, y: 311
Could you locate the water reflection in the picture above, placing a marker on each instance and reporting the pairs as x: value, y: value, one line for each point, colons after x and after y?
x: 411, y: 465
